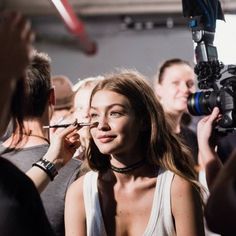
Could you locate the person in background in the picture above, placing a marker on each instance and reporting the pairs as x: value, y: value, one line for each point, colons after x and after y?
x: 174, y: 82
x: 207, y: 142
x: 208, y: 146
x: 83, y: 89
x: 64, y: 103
x: 141, y: 181
x: 30, y: 141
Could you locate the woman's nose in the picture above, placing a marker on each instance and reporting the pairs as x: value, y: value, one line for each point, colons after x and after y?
x: 103, y: 124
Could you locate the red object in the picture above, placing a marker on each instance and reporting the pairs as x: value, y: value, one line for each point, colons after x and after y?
x: 75, y: 25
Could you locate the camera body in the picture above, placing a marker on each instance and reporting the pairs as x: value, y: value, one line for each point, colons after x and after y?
x: 216, y: 81
x: 217, y: 84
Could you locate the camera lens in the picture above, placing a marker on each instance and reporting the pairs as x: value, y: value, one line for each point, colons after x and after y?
x: 202, y: 103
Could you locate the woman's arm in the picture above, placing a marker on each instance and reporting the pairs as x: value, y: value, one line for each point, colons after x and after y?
x: 186, y: 207
x: 208, y: 158
x: 75, y: 218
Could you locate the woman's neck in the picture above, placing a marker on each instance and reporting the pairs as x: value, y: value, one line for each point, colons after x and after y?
x: 127, y: 159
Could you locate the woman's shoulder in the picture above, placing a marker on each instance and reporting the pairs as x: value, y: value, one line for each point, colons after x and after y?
x: 182, y: 189
x: 180, y: 183
x: 77, y: 186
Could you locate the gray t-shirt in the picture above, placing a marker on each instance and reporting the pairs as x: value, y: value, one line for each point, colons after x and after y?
x: 53, y: 197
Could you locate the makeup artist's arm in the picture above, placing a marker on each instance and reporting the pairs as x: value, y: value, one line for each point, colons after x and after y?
x: 15, y: 40
x: 63, y: 146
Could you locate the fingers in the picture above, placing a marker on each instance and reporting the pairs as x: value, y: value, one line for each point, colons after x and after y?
x: 66, y: 131
x: 11, y: 19
x: 75, y: 144
x: 30, y: 36
x: 16, y: 39
x: 214, y: 114
x: 73, y: 136
x: 25, y: 29
x: 14, y: 21
x: 212, y: 117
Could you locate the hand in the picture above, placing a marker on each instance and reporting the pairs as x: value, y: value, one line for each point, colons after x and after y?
x: 205, y: 127
x: 15, y: 39
x: 84, y: 134
x: 64, y: 143
x: 15, y: 47
x: 208, y: 158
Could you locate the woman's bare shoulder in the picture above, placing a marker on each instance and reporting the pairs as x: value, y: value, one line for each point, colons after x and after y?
x: 180, y: 185
x: 183, y: 192
x: 76, y: 188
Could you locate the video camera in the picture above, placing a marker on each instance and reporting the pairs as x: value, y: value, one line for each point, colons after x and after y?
x: 216, y: 80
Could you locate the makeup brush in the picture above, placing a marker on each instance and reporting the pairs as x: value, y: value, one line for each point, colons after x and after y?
x: 80, y: 124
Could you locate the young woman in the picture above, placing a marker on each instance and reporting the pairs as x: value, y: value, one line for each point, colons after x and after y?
x: 141, y: 182
x: 83, y: 89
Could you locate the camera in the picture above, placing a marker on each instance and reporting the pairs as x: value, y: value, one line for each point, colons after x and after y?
x: 216, y: 81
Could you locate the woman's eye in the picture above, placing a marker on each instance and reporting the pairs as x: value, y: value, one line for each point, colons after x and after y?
x: 115, y: 114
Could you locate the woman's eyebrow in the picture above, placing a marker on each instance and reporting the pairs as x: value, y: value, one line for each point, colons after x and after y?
x: 111, y: 105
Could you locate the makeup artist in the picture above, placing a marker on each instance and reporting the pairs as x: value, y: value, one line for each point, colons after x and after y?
x: 29, y: 142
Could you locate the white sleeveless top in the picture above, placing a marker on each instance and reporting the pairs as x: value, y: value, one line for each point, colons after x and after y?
x: 160, y: 222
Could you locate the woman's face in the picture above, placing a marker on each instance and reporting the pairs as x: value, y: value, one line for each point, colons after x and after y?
x: 117, y: 131
x: 176, y: 86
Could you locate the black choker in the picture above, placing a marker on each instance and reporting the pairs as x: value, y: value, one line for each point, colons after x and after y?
x: 128, y: 168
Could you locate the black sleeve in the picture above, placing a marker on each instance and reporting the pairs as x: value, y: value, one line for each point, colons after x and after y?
x: 21, y: 209
x: 189, y: 138
x: 226, y: 145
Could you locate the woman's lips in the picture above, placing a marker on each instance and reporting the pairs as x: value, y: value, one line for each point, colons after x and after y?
x: 105, y: 138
